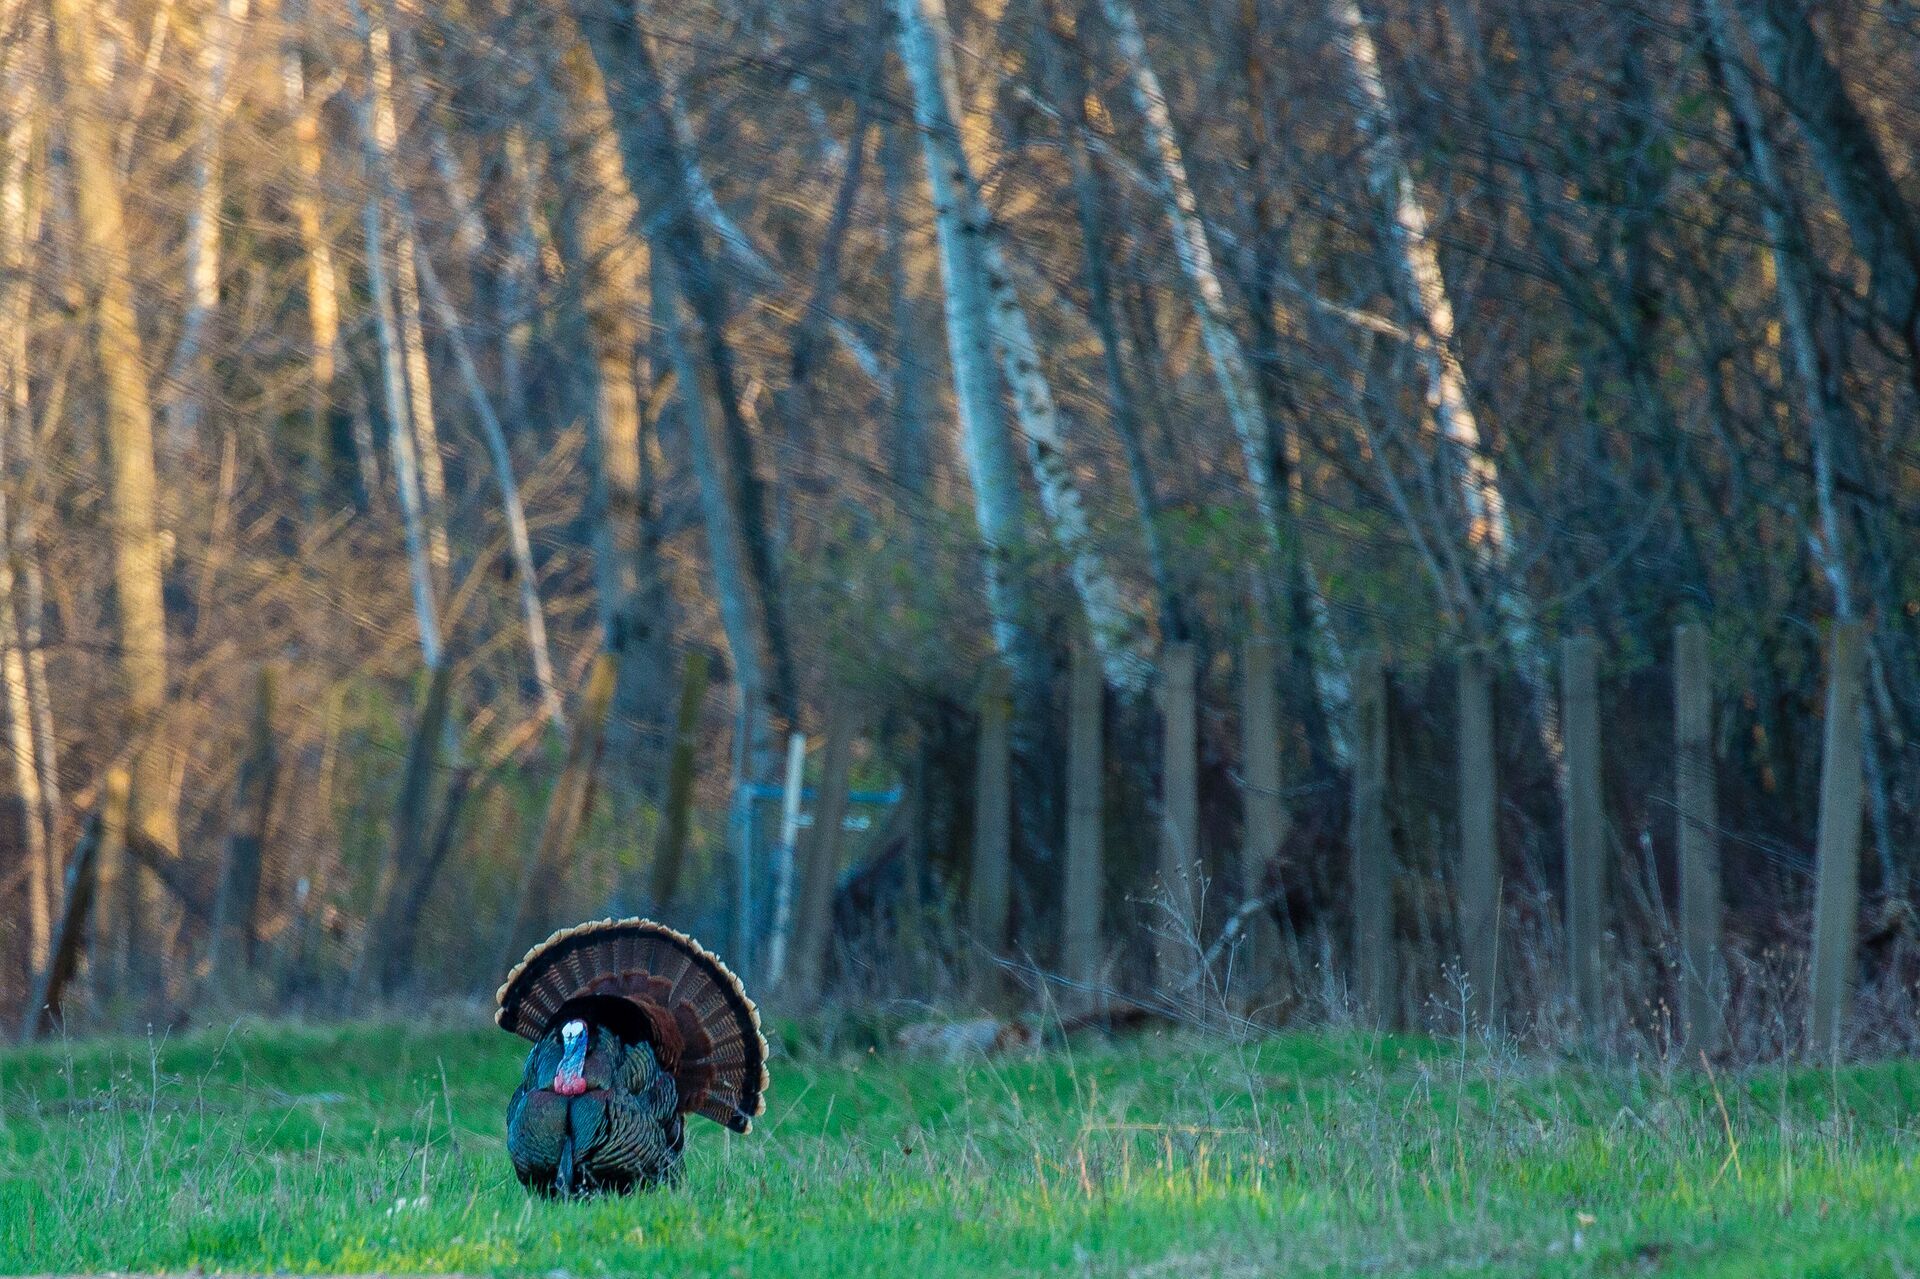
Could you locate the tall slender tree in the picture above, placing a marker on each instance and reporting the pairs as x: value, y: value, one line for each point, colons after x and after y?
x: 131, y: 485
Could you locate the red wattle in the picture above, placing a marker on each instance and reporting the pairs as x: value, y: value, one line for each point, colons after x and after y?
x: 569, y: 1085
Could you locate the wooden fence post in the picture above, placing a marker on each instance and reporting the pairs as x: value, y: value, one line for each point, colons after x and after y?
x: 1702, y: 972
x: 1372, y: 870
x: 1479, y: 908
x: 1264, y: 820
x: 1586, y: 869
x: 820, y: 861
x: 1837, y: 895
x: 989, y: 898
x: 1083, y: 890
x: 1176, y: 937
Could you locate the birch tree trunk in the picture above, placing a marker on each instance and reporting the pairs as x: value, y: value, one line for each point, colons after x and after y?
x: 404, y: 297
x: 984, y: 440
x: 1279, y: 511
x: 1423, y: 288
x: 221, y: 31
x: 400, y: 436
x: 1118, y: 633
x: 1122, y: 407
x: 141, y: 611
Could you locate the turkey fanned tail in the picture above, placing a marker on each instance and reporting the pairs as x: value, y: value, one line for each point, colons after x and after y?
x: 659, y: 1029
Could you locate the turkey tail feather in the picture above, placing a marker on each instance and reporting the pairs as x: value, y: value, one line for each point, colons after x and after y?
x: 673, y: 991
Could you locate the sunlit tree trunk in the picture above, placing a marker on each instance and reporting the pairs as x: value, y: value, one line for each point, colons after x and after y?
x: 19, y: 94
x: 323, y: 303
x: 141, y: 612
x: 1122, y: 406
x: 598, y: 214
x: 222, y: 28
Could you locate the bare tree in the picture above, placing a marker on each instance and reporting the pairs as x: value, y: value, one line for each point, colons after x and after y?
x: 383, y: 136
x: 1415, y: 263
x: 222, y: 29
x: 138, y: 557
x: 984, y: 438
x: 1279, y: 512
x: 657, y: 168
x: 598, y: 214
x: 323, y: 303
x: 1886, y: 232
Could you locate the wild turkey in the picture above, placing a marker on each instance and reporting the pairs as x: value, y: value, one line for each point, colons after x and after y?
x: 634, y: 1026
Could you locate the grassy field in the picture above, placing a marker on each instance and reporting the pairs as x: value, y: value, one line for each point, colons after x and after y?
x: 269, y: 1147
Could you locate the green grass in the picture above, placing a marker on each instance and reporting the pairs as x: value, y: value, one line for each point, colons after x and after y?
x: 272, y: 1147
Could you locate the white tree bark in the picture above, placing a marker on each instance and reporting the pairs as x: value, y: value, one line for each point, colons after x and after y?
x: 1118, y: 631
x: 1416, y: 265
x: 783, y: 863
x: 221, y: 31
x: 984, y: 440
x: 22, y: 227
x: 405, y: 299
x: 980, y: 293
x: 1229, y: 362
x: 400, y: 437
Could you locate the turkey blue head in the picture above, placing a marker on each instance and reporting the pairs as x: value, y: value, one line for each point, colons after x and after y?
x: 569, y: 1077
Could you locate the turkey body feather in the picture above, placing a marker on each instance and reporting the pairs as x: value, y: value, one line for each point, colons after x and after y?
x: 634, y: 1026
x: 623, y: 1132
